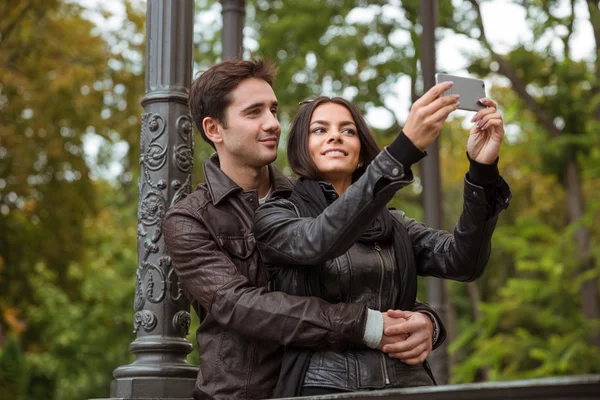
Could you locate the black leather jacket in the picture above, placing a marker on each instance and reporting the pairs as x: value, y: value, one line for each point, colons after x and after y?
x: 354, y: 272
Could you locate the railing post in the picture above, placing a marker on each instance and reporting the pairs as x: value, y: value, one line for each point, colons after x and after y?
x: 162, y: 319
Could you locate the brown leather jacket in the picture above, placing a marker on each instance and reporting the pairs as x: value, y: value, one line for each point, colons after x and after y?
x: 210, y: 238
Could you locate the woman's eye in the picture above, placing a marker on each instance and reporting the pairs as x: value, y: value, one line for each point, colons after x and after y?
x: 349, y: 131
x: 318, y: 130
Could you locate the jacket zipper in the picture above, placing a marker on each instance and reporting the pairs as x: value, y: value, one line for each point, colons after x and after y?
x: 383, y: 363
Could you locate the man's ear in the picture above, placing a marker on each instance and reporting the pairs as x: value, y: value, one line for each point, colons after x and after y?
x: 212, y: 129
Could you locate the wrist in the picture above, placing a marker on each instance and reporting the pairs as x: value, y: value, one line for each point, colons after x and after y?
x: 416, y: 142
x: 435, y: 330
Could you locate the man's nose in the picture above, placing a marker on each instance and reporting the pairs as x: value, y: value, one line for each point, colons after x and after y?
x: 270, y: 123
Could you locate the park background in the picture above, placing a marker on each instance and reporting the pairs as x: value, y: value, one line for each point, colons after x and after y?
x: 71, y: 82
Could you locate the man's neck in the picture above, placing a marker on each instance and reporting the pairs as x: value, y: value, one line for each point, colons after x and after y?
x: 248, y: 178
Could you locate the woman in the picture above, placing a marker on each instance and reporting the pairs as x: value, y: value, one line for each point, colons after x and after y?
x: 335, y: 239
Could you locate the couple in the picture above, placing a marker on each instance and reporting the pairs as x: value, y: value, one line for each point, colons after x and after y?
x: 333, y: 259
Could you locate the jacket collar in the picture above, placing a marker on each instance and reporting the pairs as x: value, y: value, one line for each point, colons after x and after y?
x: 220, y: 185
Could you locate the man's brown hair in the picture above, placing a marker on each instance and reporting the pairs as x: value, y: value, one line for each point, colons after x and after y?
x: 210, y: 92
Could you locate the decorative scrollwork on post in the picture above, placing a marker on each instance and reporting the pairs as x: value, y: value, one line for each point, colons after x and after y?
x: 151, y: 286
x: 153, y: 155
x: 139, y: 293
x: 183, y: 153
x: 181, y: 190
x: 145, y: 318
x: 174, y: 286
x: 151, y: 212
x: 182, y: 322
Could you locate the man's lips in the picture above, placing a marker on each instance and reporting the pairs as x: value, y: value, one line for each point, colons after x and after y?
x: 271, y: 140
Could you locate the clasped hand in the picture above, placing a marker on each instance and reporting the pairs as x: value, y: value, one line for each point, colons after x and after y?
x: 407, y: 336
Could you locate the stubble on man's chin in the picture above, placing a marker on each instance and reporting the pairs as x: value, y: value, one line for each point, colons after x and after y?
x: 254, y: 161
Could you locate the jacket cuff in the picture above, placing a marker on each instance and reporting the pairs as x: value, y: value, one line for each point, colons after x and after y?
x: 404, y: 151
x: 485, y: 175
x: 493, y: 199
x: 373, y: 329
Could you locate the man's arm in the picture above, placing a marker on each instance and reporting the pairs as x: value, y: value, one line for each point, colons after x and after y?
x: 212, y: 279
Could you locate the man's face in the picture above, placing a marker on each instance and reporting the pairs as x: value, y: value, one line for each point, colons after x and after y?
x: 252, y: 130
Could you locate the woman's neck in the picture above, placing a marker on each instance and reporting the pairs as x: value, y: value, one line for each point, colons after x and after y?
x: 340, y: 184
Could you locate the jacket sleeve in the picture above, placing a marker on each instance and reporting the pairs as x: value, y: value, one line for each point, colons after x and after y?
x: 211, y: 278
x: 287, y: 239
x: 463, y: 254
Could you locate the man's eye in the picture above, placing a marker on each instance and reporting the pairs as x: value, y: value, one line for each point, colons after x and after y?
x: 274, y: 111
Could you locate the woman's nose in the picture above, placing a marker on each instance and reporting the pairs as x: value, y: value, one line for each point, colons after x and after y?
x: 334, y: 136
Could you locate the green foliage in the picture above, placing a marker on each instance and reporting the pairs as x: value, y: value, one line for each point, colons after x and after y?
x: 532, y: 326
x: 65, y: 281
x: 67, y: 241
x: 12, y: 371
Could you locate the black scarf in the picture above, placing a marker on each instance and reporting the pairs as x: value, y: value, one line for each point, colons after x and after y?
x: 310, y: 199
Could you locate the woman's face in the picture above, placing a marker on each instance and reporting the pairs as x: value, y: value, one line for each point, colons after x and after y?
x: 333, y: 142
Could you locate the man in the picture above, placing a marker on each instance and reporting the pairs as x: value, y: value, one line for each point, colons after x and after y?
x: 209, y: 237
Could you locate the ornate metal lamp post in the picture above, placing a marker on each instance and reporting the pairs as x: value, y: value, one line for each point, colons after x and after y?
x: 162, y: 318
x: 232, y: 36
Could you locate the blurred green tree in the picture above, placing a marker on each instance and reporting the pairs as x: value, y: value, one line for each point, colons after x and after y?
x: 66, y: 263
x: 12, y: 371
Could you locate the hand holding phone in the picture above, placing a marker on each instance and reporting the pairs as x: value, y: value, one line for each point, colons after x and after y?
x: 428, y: 114
x: 470, y: 90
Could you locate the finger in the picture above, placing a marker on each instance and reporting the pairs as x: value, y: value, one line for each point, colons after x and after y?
x: 440, y: 103
x: 399, y: 314
x: 410, y: 353
x: 406, y: 345
x: 488, y: 102
x: 493, y: 115
x: 416, y: 360
x: 487, y: 118
x: 491, y: 123
x: 405, y: 327
x: 433, y: 93
x: 481, y: 113
x: 441, y: 114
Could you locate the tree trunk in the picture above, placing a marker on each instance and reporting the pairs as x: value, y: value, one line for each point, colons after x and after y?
x: 588, y: 293
x: 475, y: 299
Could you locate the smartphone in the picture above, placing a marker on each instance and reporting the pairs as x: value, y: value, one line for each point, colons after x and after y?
x: 469, y: 89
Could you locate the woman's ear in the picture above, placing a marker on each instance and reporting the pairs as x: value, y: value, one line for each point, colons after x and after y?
x: 212, y: 129
x: 360, y: 164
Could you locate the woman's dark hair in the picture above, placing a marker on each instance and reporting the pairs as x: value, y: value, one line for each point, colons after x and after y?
x: 297, y: 149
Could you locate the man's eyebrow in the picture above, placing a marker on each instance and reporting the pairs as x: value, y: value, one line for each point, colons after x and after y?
x: 259, y: 104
